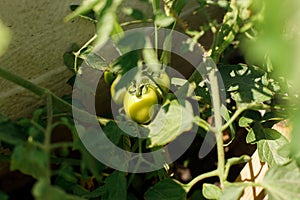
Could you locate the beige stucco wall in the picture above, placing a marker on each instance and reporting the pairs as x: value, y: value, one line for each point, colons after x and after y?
x: 39, y: 39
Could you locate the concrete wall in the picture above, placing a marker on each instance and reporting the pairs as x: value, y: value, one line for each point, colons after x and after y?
x: 39, y: 39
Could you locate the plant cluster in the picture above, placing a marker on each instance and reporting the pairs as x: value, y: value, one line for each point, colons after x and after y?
x: 256, y: 100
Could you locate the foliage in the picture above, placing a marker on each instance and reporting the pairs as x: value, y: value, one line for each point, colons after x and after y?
x: 66, y: 170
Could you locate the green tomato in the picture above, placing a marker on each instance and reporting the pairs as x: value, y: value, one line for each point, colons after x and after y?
x: 118, y: 99
x: 109, y: 77
x: 163, y: 81
x: 139, y: 107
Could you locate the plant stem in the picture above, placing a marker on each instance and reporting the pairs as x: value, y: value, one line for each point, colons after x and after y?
x: 189, y: 185
x: 216, y: 104
x: 77, y: 53
x: 233, y: 118
x: 22, y: 82
x: 48, y: 131
x: 41, y: 92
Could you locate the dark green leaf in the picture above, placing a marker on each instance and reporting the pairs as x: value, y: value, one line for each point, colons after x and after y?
x: 3, y: 196
x: 29, y: 160
x: 282, y: 182
x: 197, y: 195
x: 245, y: 83
x: 113, y: 191
x: 166, y: 189
x: 44, y: 191
x: 10, y: 132
x: 211, y: 191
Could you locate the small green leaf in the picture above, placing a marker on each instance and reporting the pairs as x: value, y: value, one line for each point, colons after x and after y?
x: 245, y: 122
x: 29, y: 160
x: 166, y: 189
x: 282, y: 182
x: 84, y: 8
x: 211, y: 191
x: 163, y: 129
x: 44, y: 191
x: 162, y: 20
x: 113, y: 191
x: 232, y: 192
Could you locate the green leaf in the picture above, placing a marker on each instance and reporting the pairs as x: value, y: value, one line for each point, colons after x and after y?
x: 245, y: 122
x: 113, y: 191
x: 269, y: 141
x: 150, y: 57
x: 10, y: 132
x: 85, y: 7
x: 95, y: 61
x: 268, y: 150
x: 3, y: 196
x: 246, y: 83
x: 106, y: 21
x: 29, y: 160
x: 4, y: 38
x: 211, y: 191
x: 197, y: 195
x: 44, y: 191
x: 163, y: 129
x: 166, y: 189
x: 232, y: 192
x: 178, y: 5
x: 282, y: 182
x: 162, y: 20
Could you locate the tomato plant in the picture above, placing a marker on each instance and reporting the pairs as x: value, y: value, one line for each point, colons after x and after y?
x: 246, y: 42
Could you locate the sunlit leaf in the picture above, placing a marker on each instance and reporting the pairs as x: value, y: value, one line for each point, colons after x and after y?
x: 211, y: 191
x: 232, y: 192
x: 163, y: 129
x: 269, y: 141
x: 282, y: 182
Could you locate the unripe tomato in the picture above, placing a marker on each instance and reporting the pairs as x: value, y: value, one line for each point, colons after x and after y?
x: 109, y: 77
x: 117, y: 99
x: 139, y: 107
x: 163, y: 81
